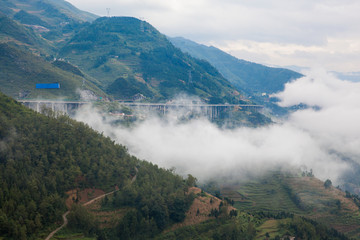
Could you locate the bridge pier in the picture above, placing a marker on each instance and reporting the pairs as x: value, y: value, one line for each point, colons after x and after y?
x: 211, y: 111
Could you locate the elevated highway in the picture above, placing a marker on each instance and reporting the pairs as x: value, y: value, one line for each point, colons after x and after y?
x: 212, y: 111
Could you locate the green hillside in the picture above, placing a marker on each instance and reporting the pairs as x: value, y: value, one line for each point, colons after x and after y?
x: 21, y: 70
x: 55, y: 20
x: 300, y: 195
x: 15, y: 33
x: 43, y: 157
x: 120, y: 51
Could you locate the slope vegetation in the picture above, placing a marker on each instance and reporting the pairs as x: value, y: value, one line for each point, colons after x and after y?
x: 15, y: 33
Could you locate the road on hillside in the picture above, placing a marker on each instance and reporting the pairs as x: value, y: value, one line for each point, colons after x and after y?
x: 64, y: 216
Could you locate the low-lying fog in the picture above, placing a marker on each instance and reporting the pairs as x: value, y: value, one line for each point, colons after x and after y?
x: 318, y: 138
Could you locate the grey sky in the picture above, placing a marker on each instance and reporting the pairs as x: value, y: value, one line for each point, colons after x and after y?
x: 306, y: 33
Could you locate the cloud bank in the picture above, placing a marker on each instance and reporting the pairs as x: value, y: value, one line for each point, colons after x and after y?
x: 318, y: 139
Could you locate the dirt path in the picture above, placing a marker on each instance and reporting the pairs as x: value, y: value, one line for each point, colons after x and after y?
x: 64, y: 216
x: 134, y: 177
x: 99, y: 197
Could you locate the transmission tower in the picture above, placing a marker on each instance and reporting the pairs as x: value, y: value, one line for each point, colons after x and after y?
x: 190, y: 77
x: 142, y: 24
x: 108, y: 12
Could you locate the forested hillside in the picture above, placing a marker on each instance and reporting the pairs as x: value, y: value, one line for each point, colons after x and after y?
x: 44, y: 156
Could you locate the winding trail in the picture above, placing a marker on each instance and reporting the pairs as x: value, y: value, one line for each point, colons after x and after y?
x: 99, y: 197
x: 64, y: 216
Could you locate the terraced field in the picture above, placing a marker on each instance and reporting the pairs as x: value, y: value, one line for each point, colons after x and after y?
x: 272, y: 228
x: 268, y: 194
x: 302, y: 196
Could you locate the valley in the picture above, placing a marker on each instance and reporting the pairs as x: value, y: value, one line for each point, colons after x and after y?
x: 109, y: 129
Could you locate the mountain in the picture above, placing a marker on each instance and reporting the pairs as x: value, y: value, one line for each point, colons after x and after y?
x: 116, y: 58
x: 128, y: 56
x: 251, y: 77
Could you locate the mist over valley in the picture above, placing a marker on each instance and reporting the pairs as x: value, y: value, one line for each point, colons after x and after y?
x: 111, y: 128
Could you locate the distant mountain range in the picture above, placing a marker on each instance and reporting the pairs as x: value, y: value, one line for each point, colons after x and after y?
x: 251, y: 77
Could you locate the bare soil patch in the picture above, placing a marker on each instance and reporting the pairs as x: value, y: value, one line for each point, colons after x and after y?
x: 200, y: 208
x: 82, y: 196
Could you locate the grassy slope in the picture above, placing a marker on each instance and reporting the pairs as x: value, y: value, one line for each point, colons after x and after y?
x: 22, y: 70
x: 54, y: 20
x: 11, y: 31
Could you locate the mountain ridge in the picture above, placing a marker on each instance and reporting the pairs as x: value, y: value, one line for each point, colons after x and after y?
x: 246, y: 75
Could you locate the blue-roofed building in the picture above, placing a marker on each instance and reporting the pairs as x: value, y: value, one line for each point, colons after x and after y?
x: 47, y: 85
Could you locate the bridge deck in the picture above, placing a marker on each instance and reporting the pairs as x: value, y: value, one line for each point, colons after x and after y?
x: 147, y: 104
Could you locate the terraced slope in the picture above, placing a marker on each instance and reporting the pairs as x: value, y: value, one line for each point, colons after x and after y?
x: 302, y: 196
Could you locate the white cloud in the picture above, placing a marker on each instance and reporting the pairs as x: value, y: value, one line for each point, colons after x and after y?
x: 336, y: 124
x: 202, y: 149
x: 318, y: 139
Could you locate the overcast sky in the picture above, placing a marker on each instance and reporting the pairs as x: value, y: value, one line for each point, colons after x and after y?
x: 304, y: 33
